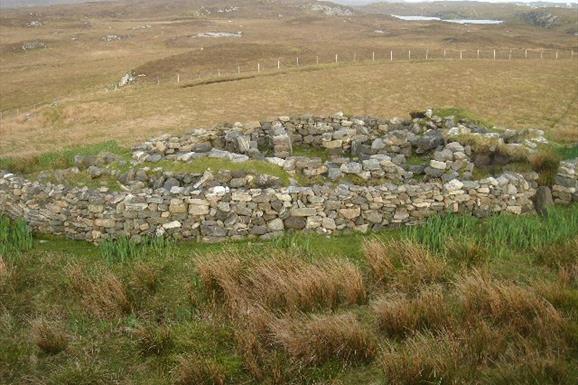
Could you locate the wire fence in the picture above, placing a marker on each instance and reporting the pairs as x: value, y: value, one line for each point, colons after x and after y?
x: 360, y: 56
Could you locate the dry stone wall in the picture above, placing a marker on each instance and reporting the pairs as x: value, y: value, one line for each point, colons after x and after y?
x: 221, y: 206
x: 221, y: 213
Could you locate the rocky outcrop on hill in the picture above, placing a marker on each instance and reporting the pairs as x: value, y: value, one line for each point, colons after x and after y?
x: 541, y: 18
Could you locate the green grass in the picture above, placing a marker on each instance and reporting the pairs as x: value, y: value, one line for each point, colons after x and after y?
x: 174, y: 331
x: 311, y: 152
x: 463, y: 114
x: 15, y: 236
x: 123, y: 250
x: 503, y: 232
x: 257, y: 167
x: 60, y: 159
x: 568, y: 152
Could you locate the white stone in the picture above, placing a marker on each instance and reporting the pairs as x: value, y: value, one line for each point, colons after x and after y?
x: 453, y: 185
x: 437, y: 165
x: 276, y: 225
x: 172, y: 225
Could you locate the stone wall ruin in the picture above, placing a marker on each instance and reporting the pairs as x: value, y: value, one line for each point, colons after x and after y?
x: 372, y: 173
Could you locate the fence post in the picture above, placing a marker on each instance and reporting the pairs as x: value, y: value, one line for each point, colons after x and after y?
x: 297, y: 61
x: 494, y: 54
x: 178, y: 78
x: 526, y: 53
x: 336, y: 58
x: 556, y: 54
x: 373, y: 56
x: 426, y: 53
x: 542, y: 54
x: 390, y: 55
x: 444, y: 53
x: 258, y: 67
x: 278, y: 64
x: 461, y: 54
x: 409, y: 54
x: 478, y: 53
x: 158, y: 81
x: 572, y: 54
x: 219, y: 73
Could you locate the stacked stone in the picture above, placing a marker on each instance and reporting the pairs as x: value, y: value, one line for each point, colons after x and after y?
x: 221, y: 213
x: 451, y: 162
x: 565, y: 189
x: 359, y: 137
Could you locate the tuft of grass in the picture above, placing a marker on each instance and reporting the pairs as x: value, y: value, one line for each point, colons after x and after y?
x: 286, y: 283
x: 318, y: 339
x: 48, y: 336
x: 103, y: 295
x: 559, y: 255
x: 467, y: 252
x: 403, y: 264
x: 193, y: 370
x: 546, y: 163
x: 154, y: 339
x: 425, y: 358
x: 145, y: 277
x: 15, y: 236
x: 125, y: 249
x: 509, y: 304
x: 399, y: 315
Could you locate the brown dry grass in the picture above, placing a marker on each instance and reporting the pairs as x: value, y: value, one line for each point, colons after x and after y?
x: 509, y: 304
x: 287, y: 283
x: 537, y: 95
x: 78, y: 73
x: 4, y: 271
x: 321, y: 338
x: 403, y: 264
x: 48, y: 336
x: 197, y: 371
x: 104, y: 295
x: 399, y: 315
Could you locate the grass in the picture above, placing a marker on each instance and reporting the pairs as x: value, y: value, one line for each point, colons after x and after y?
x: 256, y: 167
x: 568, y: 152
x: 311, y: 152
x: 503, y: 231
x: 15, y: 236
x: 150, y: 110
x: 459, y: 114
x: 480, y: 303
x: 325, y: 338
x: 60, y: 159
x: 123, y: 250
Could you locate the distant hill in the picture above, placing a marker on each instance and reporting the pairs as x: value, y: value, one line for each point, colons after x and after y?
x: 35, y: 3
x: 536, y: 14
x: 185, y: 8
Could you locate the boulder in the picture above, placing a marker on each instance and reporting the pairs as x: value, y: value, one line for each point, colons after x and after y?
x: 543, y: 200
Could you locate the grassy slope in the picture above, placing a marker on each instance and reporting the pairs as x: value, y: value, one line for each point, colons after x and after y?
x: 91, y: 317
x: 529, y: 94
